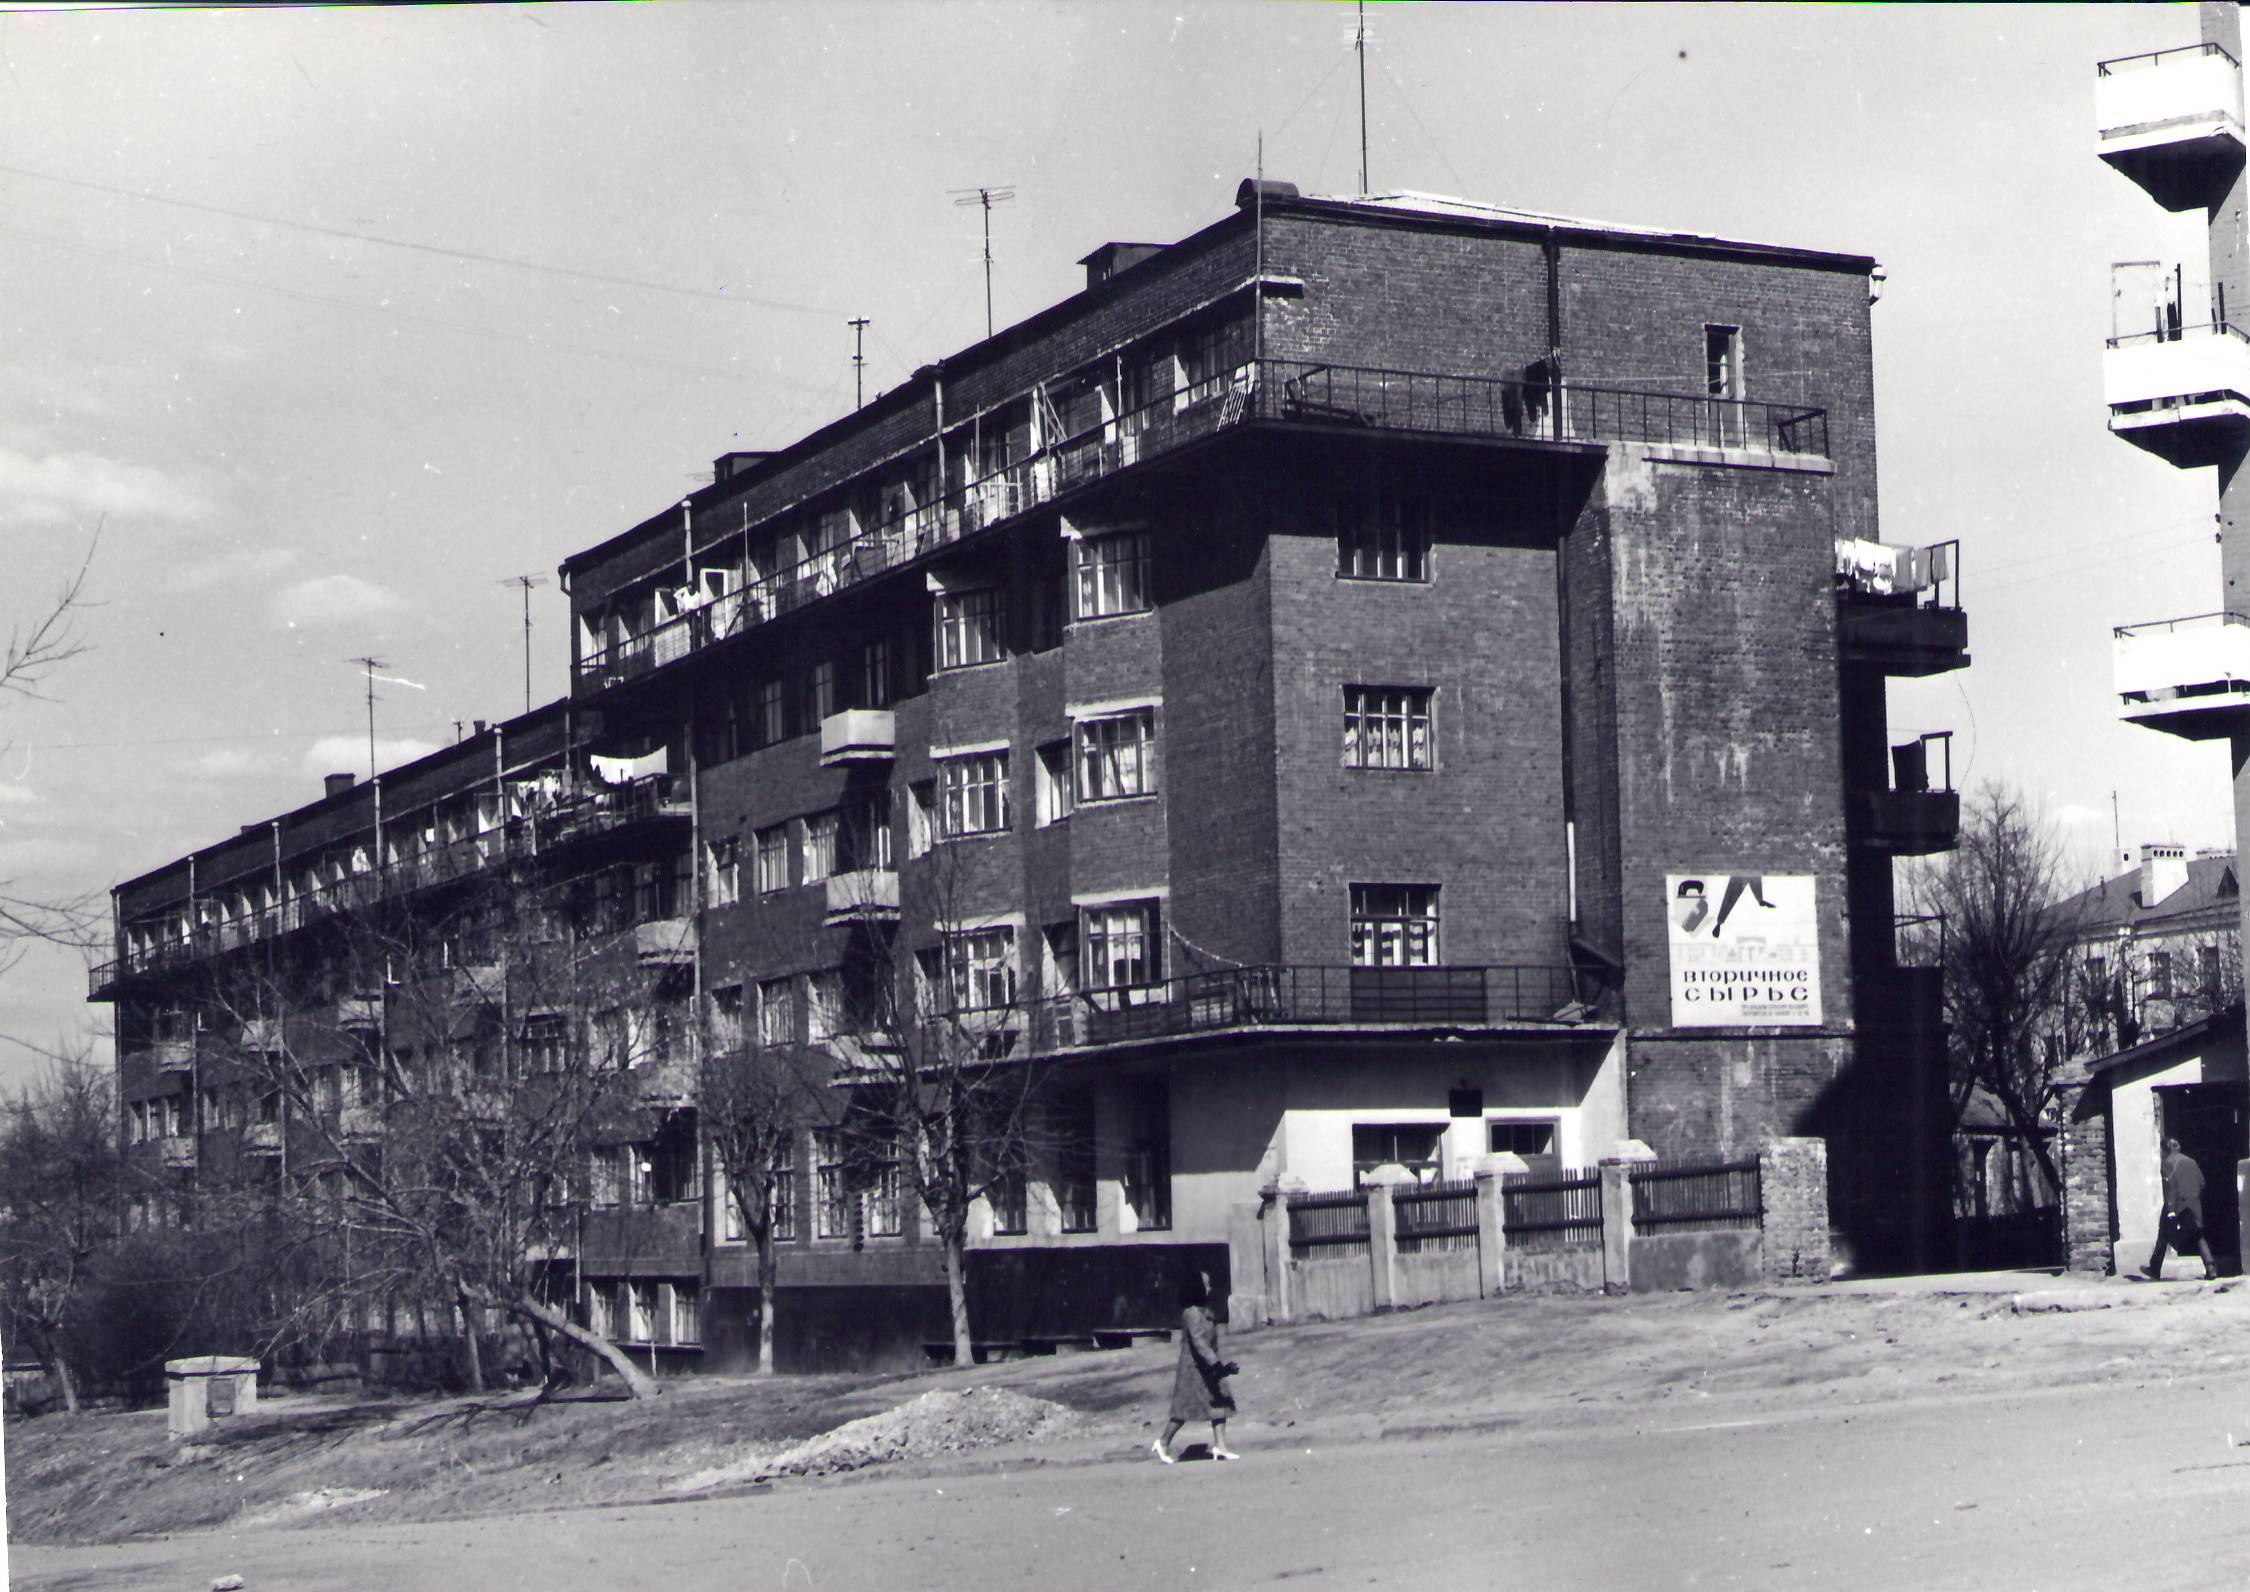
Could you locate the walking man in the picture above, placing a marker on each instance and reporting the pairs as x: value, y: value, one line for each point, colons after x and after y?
x: 2182, y: 1225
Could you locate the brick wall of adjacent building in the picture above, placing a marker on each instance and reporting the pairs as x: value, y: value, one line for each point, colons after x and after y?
x: 2089, y: 1202
x: 1793, y: 1182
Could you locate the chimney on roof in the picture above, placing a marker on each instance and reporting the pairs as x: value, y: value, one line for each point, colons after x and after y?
x: 1114, y: 259
x: 728, y: 465
x: 339, y: 783
x: 2163, y: 870
x: 1255, y: 191
x: 479, y: 723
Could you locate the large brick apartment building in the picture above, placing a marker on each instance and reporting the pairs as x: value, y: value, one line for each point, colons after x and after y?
x: 1319, y: 680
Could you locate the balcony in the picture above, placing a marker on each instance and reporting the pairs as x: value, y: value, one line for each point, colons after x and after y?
x: 359, y: 1124
x: 2182, y: 392
x: 1272, y: 392
x: 261, y: 1138
x: 664, y: 942
x: 1921, y: 812
x: 863, y: 895
x: 858, y: 735
x: 360, y: 1014
x: 262, y: 1035
x: 2171, y: 121
x: 2186, y: 677
x: 173, y: 1055
x: 1899, y: 608
x: 177, y: 1152
x: 590, y: 809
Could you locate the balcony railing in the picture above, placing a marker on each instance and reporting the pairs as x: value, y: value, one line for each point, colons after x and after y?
x: 1280, y: 996
x: 2171, y: 120
x: 580, y: 813
x: 1294, y: 392
x: 2180, y: 391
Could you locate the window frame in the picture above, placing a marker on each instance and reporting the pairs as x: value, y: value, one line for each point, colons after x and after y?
x: 771, y: 862
x: 1392, y: 720
x: 1099, y: 755
x: 1098, y: 935
x: 1389, y: 538
x: 1385, y: 915
x: 973, y: 780
x: 971, y: 627
x: 1110, y: 576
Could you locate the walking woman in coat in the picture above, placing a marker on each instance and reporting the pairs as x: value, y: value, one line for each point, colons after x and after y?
x: 1199, y: 1388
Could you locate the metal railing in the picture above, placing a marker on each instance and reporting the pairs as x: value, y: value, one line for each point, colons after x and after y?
x: 1698, y: 1198
x: 583, y: 812
x: 2111, y: 67
x: 1278, y: 390
x: 2175, y: 331
x: 1550, y: 1213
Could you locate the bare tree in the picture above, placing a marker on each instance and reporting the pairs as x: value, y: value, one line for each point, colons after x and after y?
x: 36, y: 649
x: 753, y: 1101
x: 2010, y: 948
x: 62, y: 1186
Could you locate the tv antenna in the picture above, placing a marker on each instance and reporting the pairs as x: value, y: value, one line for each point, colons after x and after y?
x: 1360, y: 44
x: 859, y: 325
x: 371, y: 665
x: 986, y: 198
x: 526, y: 582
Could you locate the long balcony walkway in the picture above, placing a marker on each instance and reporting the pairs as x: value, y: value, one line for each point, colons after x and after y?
x: 1270, y: 391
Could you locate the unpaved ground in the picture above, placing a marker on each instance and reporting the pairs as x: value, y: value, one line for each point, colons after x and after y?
x: 1513, y: 1373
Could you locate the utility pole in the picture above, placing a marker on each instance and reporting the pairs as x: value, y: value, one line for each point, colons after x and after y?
x: 526, y: 582
x: 987, y: 198
x: 1360, y: 44
x: 859, y: 325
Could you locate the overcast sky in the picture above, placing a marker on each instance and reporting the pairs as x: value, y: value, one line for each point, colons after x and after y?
x: 334, y: 320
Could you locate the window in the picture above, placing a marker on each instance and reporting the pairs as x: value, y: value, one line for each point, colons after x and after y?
x: 969, y: 627
x: 769, y: 713
x: 877, y: 677
x: 921, y: 819
x: 980, y: 968
x: 975, y: 794
x: 1413, y: 1145
x: 773, y: 859
x: 886, y: 1204
x: 1394, y: 925
x: 1210, y: 353
x: 865, y: 838
x: 1008, y: 1192
x: 824, y: 1006
x: 640, y: 1321
x: 638, y: 1169
x: 1386, y: 726
x: 687, y: 1315
x: 2207, y: 970
x: 777, y: 1012
x: 832, y: 1201
x: 1722, y: 361
x: 1527, y: 1139
x: 1148, y: 1160
x: 1109, y: 575
x: 784, y: 1191
x: 546, y: 1042
x: 1120, y: 945
x: 820, y: 847
x: 820, y: 692
x: 1053, y: 777
x: 1116, y: 755
x: 724, y: 873
x: 1383, y: 539
x: 1073, y: 1128
x: 726, y: 1018
x: 2160, y: 975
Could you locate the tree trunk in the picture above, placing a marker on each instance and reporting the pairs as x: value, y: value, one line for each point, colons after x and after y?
x: 636, y: 1380
x: 766, y: 1273
x: 67, y: 1378
x: 472, y: 1353
x: 957, y: 1294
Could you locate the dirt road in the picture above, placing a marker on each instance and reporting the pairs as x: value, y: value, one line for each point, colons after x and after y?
x: 2126, y: 1483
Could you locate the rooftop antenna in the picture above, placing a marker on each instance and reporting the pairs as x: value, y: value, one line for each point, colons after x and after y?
x: 526, y: 582
x: 2116, y: 828
x: 859, y: 325
x: 370, y: 665
x: 1360, y: 44
x: 987, y: 198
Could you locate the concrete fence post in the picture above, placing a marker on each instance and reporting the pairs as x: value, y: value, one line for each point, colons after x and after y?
x: 1617, y: 1213
x: 1382, y: 1243
x: 1492, y: 1221
x: 1793, y: 1185
x: 1281, y: 1281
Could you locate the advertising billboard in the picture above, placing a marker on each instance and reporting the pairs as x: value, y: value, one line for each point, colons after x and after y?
x: 1745, y: 950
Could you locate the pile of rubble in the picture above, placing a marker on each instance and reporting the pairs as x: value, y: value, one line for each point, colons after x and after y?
x: 943, y: 1422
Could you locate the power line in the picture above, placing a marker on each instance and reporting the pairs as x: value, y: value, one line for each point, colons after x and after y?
x: 513, y: 262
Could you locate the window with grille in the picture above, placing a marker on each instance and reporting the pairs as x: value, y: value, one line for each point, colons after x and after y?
x: 1116, y: 755
x: 969, y: 627
x: 1386, y: 726
x: 773, y: 858
x: 974, y: 794
x: 1109, y: 576
x: 1394, y: 925
x: 1383, y: 539
x: 1119, y: 945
